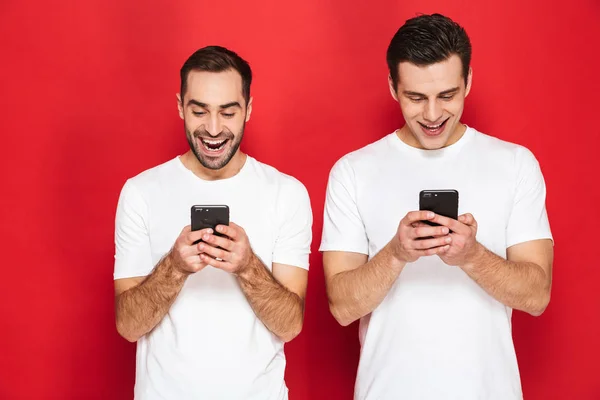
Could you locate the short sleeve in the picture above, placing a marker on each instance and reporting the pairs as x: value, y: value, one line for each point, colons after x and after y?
x: 132, y: 245
x: 528, y: 219
x: 294, y: 216
x: 343, y: 228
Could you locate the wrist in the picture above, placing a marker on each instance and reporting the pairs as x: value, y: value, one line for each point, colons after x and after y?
x: 395, y: 260
x: 474, y: 259
x: 173, y: 268
x: 249, y: 268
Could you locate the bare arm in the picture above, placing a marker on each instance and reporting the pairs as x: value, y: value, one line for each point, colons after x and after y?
x: 142, y: 302
x: 522, y: 281
x: 277, y: 299
x: 280, y: 306
x: 356, y: 287
x: 359, y: 286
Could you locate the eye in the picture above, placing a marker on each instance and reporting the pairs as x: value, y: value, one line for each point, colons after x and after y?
x: 198, y: 113
x: 228, y: 115
x: 447, y: 97
x: 416, y: 99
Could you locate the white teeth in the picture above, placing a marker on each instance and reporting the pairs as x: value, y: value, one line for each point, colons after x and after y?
x: 213, y: 143
x: 434, y: 126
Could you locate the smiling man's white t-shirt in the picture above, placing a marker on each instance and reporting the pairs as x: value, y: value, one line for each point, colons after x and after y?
x: 211, y: 345
x: 437, y: 334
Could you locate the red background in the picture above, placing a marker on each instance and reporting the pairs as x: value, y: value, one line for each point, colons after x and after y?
x: 88, y: 100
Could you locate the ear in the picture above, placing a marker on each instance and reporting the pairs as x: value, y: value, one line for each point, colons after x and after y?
x: 469, y: 80
x: 249, y: 109
x: 392, y: 88
x: 179, y: 106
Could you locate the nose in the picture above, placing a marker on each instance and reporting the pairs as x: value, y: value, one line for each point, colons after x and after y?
x: 214, y: 126
x: 433, y: 111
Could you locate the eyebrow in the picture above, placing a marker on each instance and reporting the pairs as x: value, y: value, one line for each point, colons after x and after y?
x: 449, y: 91
x: 222, y: 106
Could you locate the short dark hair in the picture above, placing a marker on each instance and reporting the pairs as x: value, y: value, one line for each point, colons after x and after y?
x: 217, y: 59
x: 426, y: 40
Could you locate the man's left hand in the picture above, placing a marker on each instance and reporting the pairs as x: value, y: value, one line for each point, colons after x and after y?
x: 231, y: 252
x: 464, y: 248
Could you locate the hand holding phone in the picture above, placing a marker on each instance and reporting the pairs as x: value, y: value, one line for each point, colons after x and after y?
x: 414, y: 240
x: 184, y: 253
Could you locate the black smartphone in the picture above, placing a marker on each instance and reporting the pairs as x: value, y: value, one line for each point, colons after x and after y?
x: 209, y: 216
x: 441, y: 202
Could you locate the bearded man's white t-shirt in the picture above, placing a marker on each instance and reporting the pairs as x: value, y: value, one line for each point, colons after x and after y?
x: 210, y: 344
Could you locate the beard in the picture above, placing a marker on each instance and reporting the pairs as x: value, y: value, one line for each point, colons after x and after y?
x: 232, y: 145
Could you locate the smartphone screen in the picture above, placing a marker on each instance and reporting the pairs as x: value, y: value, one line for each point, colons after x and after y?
x: 441, y: 202
x: 209, y: 216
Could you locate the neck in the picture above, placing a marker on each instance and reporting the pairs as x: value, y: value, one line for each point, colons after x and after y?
x: 232, y: 168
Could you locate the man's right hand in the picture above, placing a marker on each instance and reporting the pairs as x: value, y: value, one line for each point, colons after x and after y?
x: 414, y: 239
x: 185, y: 255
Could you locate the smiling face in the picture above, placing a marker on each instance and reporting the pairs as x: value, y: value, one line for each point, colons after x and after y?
x: 432, y: 100
x: 214, y: 112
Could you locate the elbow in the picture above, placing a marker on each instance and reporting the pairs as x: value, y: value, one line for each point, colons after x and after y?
x: 131, y: 338
x: 340, y: 316
x: 291, y: 334
x: 126, y: 333
x: 536, y: 312
x: 540, y: 305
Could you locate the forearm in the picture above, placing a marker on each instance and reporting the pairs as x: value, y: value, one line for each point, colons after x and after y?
x: 520, y: 285
x: 279, y: 309
x: 355, y: 293
x: 141, y: 308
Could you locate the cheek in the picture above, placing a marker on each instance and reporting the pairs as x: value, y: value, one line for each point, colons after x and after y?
x: 411, y: 110
x: 455, y: 107
x: 191, y: 125
x: 236, y: 124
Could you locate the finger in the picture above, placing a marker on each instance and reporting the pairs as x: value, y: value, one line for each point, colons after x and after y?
x: 218, y: 241
x: 213, y: 251
x: 418, y: 224
x: 415, y: 216
x: 426, y: 231
x: 189, y: 254
x: 454, y: 225
x: 194, y: 236
x: 432, y: 243
x: 435, y: 250
x: 195, y: 263
x: 228, y: 230
x: 467, y: 219
x: 224, y: 265
x: 190, y: 260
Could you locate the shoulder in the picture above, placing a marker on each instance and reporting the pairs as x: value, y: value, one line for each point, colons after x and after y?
x: 495, y: 148
x: 151, y: 182
x: 362, y: 159
x: 284, y: 184
x: 155, y: 175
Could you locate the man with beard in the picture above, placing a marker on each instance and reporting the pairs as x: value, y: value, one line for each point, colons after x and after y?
x: 210, y: 313
x: 435, y: 302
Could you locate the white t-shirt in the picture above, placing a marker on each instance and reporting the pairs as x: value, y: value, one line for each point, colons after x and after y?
x: 437, y: 334
x: 211, y: 345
